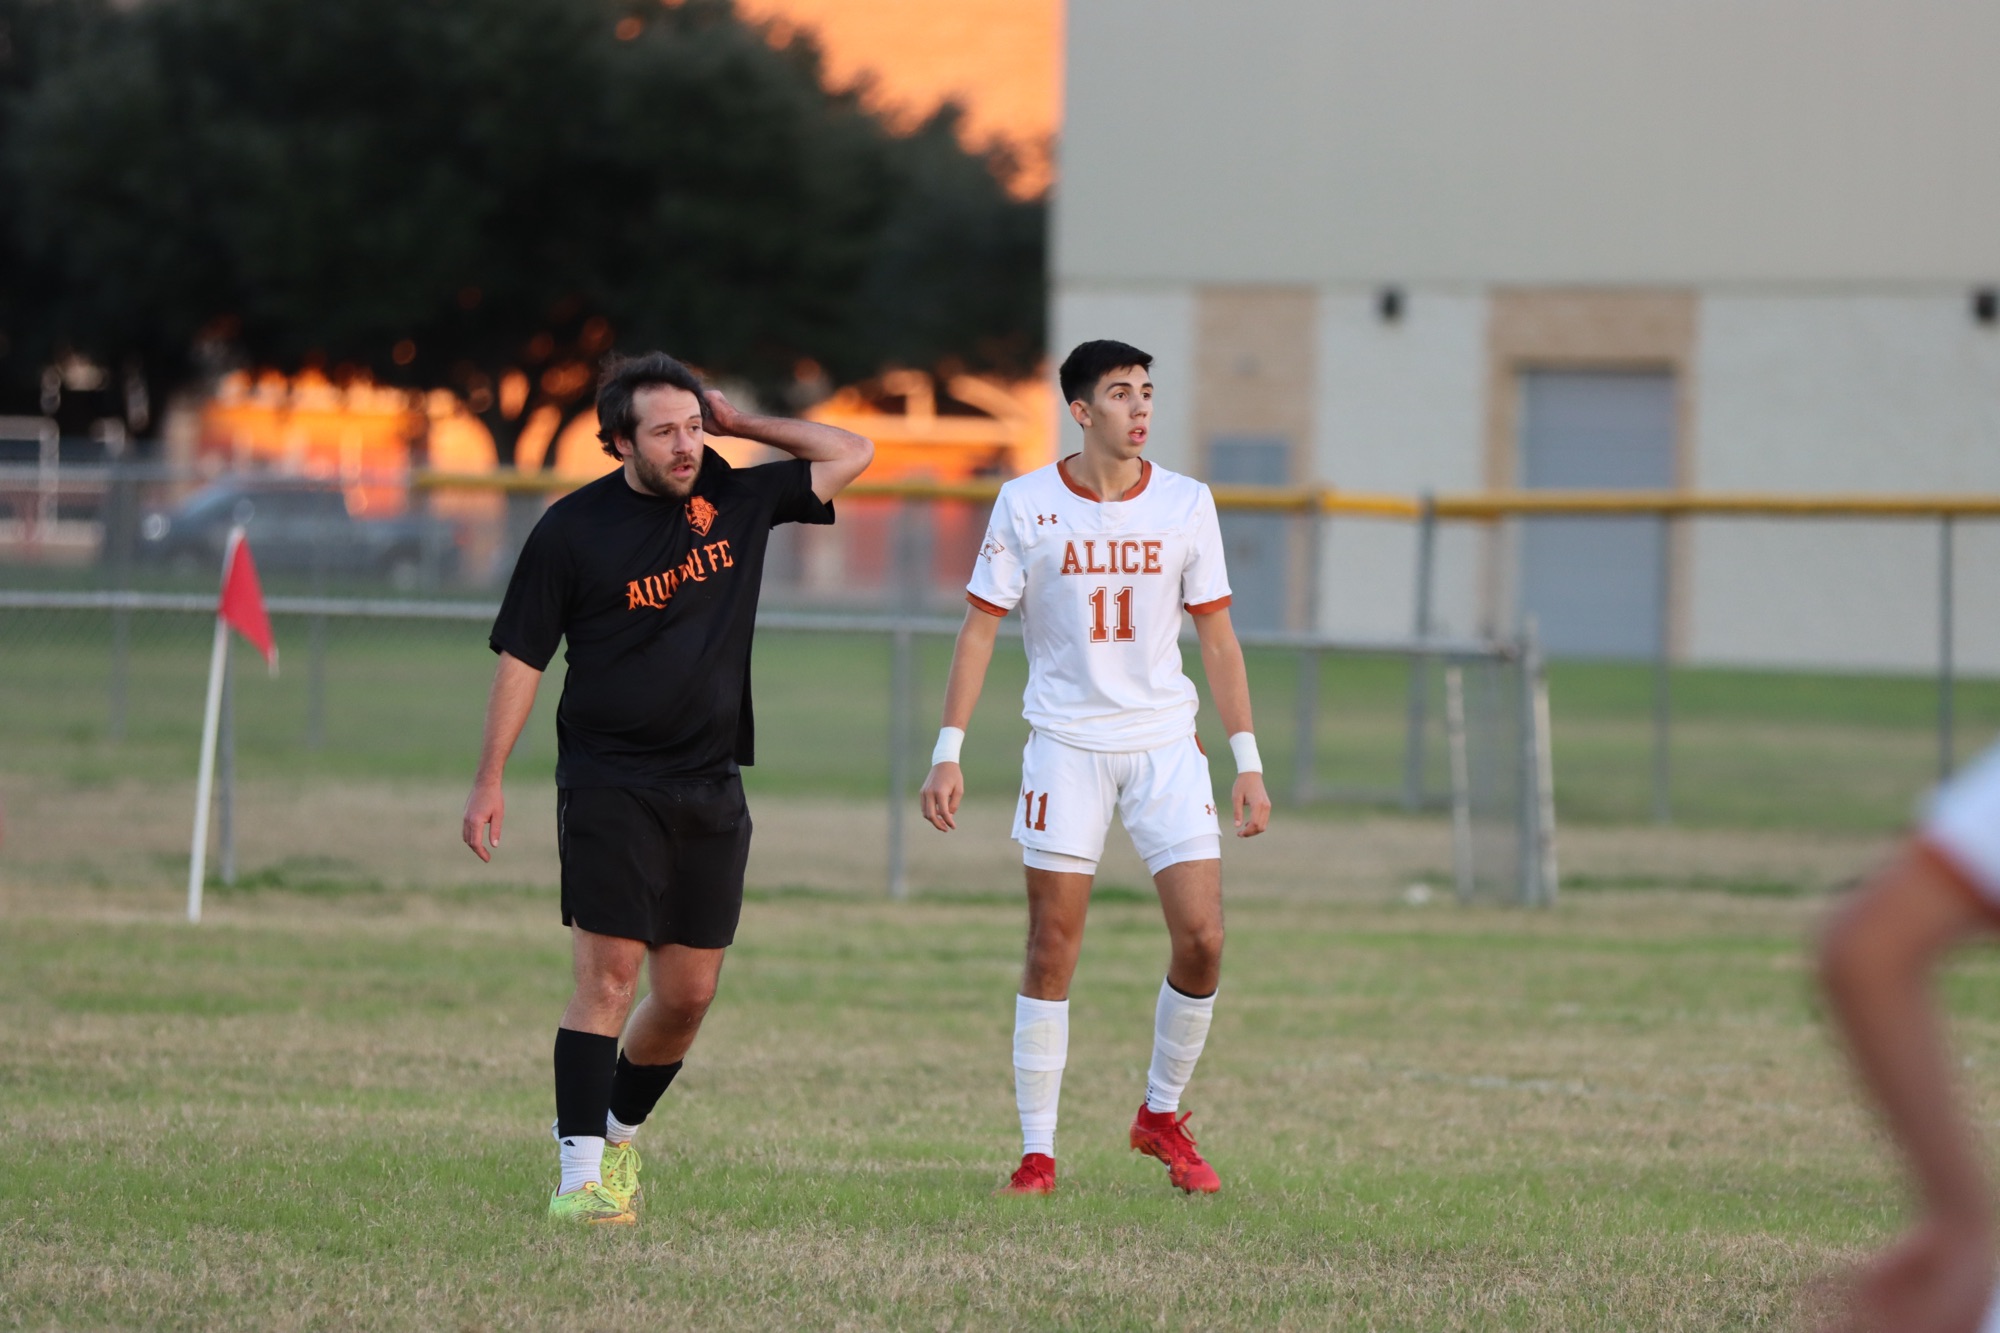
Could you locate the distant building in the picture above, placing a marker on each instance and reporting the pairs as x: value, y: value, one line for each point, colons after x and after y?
x: 1460, y: 245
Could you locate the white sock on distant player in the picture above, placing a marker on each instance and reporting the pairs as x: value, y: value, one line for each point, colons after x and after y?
x: 1180, y: 1030
x: 582, y: 1161
x: 616, y: 1130
x: 1041, y: 1049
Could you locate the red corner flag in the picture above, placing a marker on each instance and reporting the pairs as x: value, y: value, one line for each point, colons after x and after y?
x: 242, y: 604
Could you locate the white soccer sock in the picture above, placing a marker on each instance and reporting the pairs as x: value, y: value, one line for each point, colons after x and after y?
x: 1180, y: 1030
x: 582, y: 1161
x: 1041, y: 1049
x: 616, y: 1130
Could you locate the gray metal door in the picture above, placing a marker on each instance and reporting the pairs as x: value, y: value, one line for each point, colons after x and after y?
x: 1254, y: 544
x: 1594, y: 584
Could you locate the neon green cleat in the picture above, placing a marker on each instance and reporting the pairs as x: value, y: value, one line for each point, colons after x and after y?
x: 590, y: 1205
x: 621, y: 1174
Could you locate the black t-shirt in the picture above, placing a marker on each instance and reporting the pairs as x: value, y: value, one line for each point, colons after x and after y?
x: 658, y: 599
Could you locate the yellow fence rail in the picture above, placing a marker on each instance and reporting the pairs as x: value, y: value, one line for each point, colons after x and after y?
x: 1486, y: 506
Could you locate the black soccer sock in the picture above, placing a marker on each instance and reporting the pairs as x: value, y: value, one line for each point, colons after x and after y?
x: 584, y: 1064
x: 636, y: 1089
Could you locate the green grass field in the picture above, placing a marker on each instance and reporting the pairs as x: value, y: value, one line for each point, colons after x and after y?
x: 328, y: 1111
x: 326, y: 1107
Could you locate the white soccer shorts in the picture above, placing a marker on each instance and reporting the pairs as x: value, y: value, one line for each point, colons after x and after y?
x: 1964, y: 824
x: 1164, y: 797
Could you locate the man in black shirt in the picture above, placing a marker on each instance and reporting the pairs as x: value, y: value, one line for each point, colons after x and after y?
x: 651, y: 573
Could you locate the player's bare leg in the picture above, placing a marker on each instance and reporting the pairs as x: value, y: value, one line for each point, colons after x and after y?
x: 1191, y: 899
x: 1876, y: 963
x: 1058, y: 902
x: 658, y: 1036
x: 664, y: 1026
x: 606, y: 972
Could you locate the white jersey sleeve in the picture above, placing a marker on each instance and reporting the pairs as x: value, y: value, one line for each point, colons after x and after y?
x: 999, y: 575
x: 1204, y: 579
x: 1964, y: 825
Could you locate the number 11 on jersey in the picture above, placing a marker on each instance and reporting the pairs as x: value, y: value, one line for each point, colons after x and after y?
x: 1032, y: 817
x: 1123, y: 601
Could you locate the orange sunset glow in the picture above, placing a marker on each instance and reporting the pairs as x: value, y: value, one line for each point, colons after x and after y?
x: 1000, y: 60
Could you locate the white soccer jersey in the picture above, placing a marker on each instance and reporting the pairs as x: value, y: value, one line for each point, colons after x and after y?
x: 1101, y: 586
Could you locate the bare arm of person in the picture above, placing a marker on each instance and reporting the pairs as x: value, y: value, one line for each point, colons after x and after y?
x: 837, y: 456
x: 1876, y: 964
x: 944, y: 788
x: 1229, y: 686
x: 507, y: 707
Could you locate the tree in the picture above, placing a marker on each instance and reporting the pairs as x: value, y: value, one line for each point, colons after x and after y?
x: 34, y: 36
x: 488, y: 194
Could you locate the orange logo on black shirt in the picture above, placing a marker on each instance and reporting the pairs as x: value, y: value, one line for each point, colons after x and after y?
x: 656, y: 590
x: 701, y: 515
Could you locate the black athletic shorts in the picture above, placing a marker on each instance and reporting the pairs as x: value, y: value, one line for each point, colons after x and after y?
x: 659, y: 864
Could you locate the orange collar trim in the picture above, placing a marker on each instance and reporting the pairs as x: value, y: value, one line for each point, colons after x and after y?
x: 1145, y: 475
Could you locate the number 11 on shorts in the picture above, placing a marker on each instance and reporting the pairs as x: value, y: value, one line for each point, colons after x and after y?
x: 1033, y: 817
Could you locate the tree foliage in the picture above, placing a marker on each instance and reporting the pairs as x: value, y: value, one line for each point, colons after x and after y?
x: 462, y: 192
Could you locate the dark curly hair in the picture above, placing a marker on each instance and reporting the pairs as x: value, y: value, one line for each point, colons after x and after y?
x: 620, y: 380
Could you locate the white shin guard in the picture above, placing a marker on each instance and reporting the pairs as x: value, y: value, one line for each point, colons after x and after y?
x: 1041, y: 1049
x: 1180, y: 1030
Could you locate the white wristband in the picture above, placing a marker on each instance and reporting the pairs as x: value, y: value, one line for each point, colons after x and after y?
x: 949, y: 739
x: 1244, y: 746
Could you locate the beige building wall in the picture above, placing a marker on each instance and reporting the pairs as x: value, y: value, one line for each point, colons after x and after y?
x: 1787, y: 203
x: 1399, y: 408
x: 1851, y: 393
x: 1706, y: 143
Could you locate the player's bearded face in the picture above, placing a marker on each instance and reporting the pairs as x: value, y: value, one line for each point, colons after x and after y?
x: 667, y: 442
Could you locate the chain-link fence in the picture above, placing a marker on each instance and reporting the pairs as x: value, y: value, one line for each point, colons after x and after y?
x: 106, y: 687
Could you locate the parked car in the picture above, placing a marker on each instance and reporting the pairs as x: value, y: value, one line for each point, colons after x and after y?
x: 297, y: 526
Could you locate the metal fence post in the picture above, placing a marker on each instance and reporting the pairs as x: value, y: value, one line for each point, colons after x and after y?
x: 316, y: 652
x: 1461, y: 782
x: 118, y: 530
x: 1663, y: 799
x: 1305, y: 760
x: 316, y: 682
x: 1420, y: 663
x: 1945, y: 647
x: 1545, y: 779
x: 902, y: 684
x: 1528, y: 816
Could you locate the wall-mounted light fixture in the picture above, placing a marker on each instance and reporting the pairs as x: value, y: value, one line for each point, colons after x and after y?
x: 1389, y: 304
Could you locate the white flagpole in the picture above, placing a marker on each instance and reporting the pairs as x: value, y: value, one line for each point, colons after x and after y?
x: 211, y: 717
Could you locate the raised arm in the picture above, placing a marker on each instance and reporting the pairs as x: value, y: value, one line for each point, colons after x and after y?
x: 1229, y: 686
x: 837, y: 456
x: 970, y: 656
x: 507, y: 707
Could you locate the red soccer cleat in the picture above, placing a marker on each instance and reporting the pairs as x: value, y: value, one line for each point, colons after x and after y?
x: 1035, y: 1175
x: 1164, y: 1135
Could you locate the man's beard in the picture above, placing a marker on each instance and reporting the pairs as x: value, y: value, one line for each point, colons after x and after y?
x: 660, y: 481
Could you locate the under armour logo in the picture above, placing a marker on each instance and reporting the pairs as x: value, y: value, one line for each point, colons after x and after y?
x: 1041, y: 519
x: 1209, y: 808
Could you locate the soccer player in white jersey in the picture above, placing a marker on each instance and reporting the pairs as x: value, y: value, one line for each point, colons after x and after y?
x: 1876, y: 962
x: 1101, y: 552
